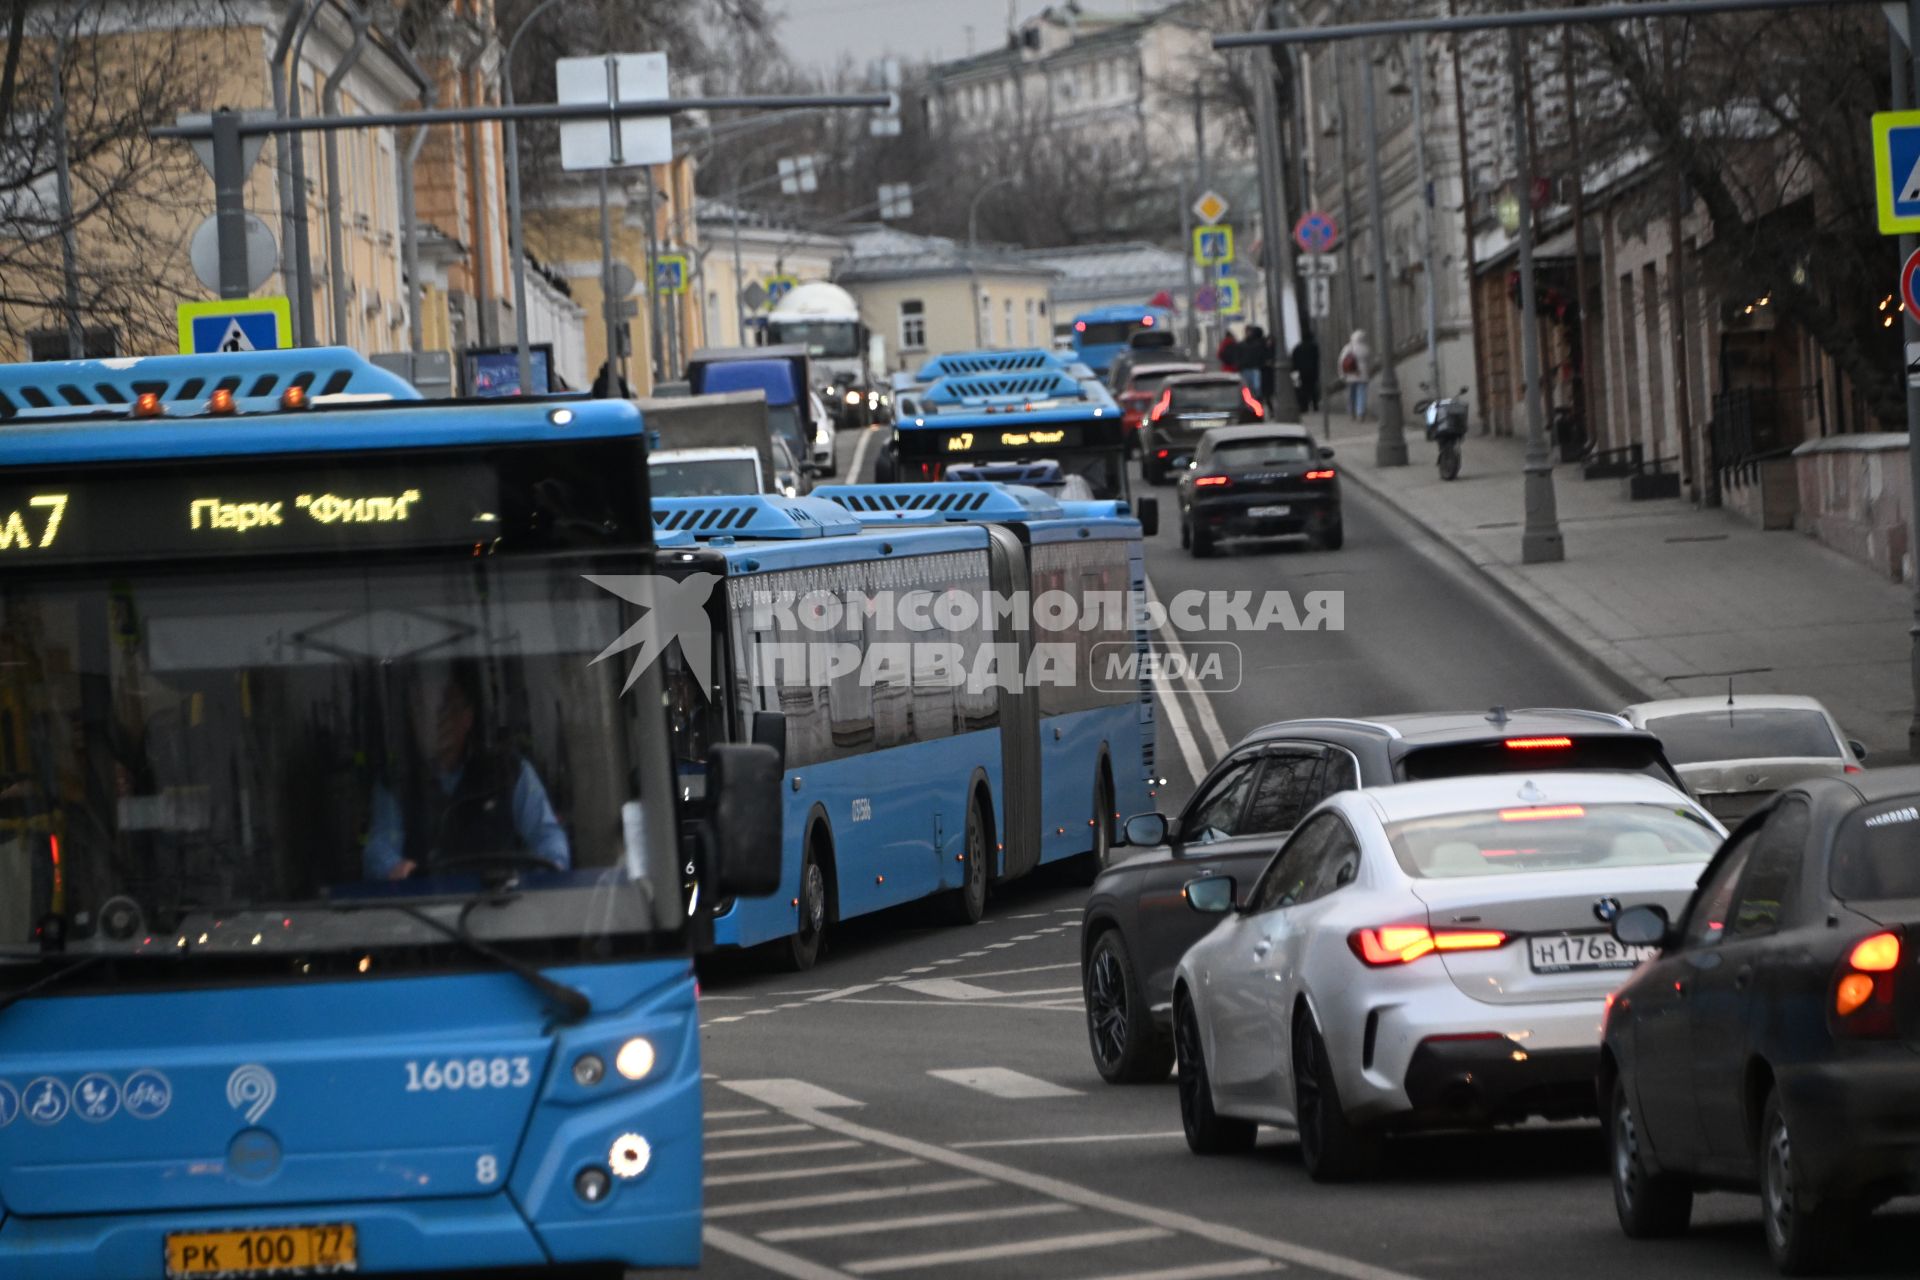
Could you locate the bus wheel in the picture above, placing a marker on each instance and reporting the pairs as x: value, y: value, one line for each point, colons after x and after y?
x: 803, y: 947
x: 968, y: 903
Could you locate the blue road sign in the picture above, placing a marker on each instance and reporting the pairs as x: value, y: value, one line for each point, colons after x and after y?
x: 1896, y: 170
x: 1316, y: 232
x: 1212, y: 244
x: 236, y: 324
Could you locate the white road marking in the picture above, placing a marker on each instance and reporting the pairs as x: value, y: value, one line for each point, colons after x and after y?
x: 830, y: 1198
x: 1066, y: 1141
x: 736, y: 1017
x: 788, y: 1175
x: 1168, y: 705
x: 843, y: 992
x: 950, y: 960
x: 1030, y: 915
x: 867, y: 437
x: 776, y: 1260
x: 968, y: 955
x: 1013, y: 1249
x: 1009, y: 973
x: 1060, y: 1189
x: 872, y: 1226
x: 1202, y: 704
x: 1043, y: 991
x: 998, y: 946
x: 1027, y: 937
x: 1003, y: 1083
x: 1004, y: 1002
x: 757, y: 1130
x: 1206, y: 1270
x: 925, y: 968
x: 792, y: 1149
x: 787, y: 1095
x: 738, y: 1113
x: 949, y: 989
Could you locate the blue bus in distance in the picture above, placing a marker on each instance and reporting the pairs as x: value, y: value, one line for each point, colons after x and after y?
x: 344, y: 894
x: 1101, y: 334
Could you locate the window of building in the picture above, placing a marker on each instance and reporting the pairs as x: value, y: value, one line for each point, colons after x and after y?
x: 1033, y: 324
x: 913, y: 325
x: 1008, y: 315
x: 986, y: 319
x: 98, y: 343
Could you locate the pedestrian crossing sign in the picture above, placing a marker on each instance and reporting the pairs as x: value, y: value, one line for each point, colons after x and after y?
x: 234, y: 324
x: 1226, y: 296
x: 1212, y: 245
x: 670, y: 273
x: 1896, y: 170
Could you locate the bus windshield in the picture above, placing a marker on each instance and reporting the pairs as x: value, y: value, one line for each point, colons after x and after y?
x: 247, y: 761
x: 1105, y: 333
x: 824, y: 339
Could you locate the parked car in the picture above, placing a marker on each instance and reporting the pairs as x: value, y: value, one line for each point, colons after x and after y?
x: 1771, y: 1045
x: 1427, y: 955
x: 1190, y: 404
x: 1135, y: 928
x: 822, y: 461
x: 1261, y: 482
x: 1734, y: 752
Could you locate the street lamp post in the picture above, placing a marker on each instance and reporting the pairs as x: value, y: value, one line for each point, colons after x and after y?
x: 516, y: 229
x: 1390, y: 449
x: 1540, y: 542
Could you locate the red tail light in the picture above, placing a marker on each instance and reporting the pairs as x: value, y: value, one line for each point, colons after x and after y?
x: 1537, y: 744
x: 1854, y: 768
x: 1319, y: 475
x: 1543, y: 813
x: 1863, y: 989
x: 1079, y: 326
x: 1162, y: 405
x: 1259, y: 410
x: 1146, y: 322
x: 1164, y: 453
x: 1210, y: 482
x: 1404, y: 943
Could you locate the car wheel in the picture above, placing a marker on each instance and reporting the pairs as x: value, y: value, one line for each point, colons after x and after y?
x: 803, y: 946
x: 1650, y: 1205
x: 968, y: 903
x: 1805, y: 1236
x: 1202, y: 543
x: 1126, y: 1047
x: 1208, y: 1132
x: 1332, y: 1147
x: 1332, y: 538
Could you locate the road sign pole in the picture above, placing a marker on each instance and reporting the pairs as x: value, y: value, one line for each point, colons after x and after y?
x: 1390, y: 449
x: 229, y: 197
x: 1540, y: 541
x: 1906, y: 87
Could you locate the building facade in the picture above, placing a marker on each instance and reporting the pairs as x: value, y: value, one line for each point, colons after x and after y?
x: 740, y: 248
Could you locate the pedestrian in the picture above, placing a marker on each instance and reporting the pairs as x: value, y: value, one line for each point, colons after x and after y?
x: 1252, y: 358
x: 1226, y: 352
x: 1306, y: 371
x: 1356, y: 368
x: 603, y: 385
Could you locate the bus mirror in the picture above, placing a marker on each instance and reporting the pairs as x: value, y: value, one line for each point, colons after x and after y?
x: 770, y: 730
x: 744, y: 788
x: 1148, y: 510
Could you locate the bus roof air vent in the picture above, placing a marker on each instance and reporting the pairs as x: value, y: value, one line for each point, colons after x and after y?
x: 944, y: 501
x: 753, y: 515
x: 1004, y: 388
x: 257, y: 379
x: 971, y: 363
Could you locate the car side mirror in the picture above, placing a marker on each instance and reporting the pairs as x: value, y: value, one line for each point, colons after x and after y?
x: 770, y: 730
x: 1325, y: 451
x: 1642, y: 926
x: 1858, y: 748
x: 1148, y: 512
x: 1210, y: 895
x: 1146, y: 829
x: 743, y: 787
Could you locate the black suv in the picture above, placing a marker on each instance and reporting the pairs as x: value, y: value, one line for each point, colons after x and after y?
x: 1137, y: 927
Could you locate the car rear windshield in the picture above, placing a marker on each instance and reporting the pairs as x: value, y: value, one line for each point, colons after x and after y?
x: 1745, y: 733
x: 1556, y: 837
x: 1262, y: 453
x: 1876, y: 856
x: 1203, y: 397
x: 1618, y: 753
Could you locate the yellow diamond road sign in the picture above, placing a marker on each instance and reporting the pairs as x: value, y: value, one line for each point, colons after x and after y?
x: 1210, y: 207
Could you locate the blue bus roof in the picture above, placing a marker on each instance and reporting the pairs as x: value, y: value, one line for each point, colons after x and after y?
x: 109, y: 388
x: 767, y: 555
x: 754, y: 515
x: 943, y: 500
x: 425, y: 424
x: 1027, y: 360
x: 1108, y: 315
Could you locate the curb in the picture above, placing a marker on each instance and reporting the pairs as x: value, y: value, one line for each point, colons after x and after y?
x: 1628, y: 679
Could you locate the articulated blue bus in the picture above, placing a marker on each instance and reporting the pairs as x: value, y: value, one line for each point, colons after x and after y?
x: 1006, y: 409
x: 1101, y: 334
x: 929, y: 748
x: 344, y: 918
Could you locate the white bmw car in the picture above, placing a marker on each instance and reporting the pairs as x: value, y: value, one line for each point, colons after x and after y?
x: 1433, y: 954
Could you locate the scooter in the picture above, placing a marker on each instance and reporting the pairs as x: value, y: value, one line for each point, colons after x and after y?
x: 1446, y: 427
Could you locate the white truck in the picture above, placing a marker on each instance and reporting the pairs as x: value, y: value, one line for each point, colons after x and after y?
x: 825, y: 319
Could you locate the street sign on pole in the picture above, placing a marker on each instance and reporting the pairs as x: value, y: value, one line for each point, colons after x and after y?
x: 1226, y: 296
x: 1896, y: 170
x: 1910, y: 283
x: 621, y: 279
x: 263, y: 253
x: 609, y: 79
x: 1212, y: 245
x: 234, y: 324
x: 754, y: 296
x: 203, y: 147
x: 1316, y: 232
x: 798, y: 176
x: 1318, y: 264
x: 896, y: 200
x: 670, y: 273
x: 1210, y: 207
x: 1319, y: 297
x: 779, y: 287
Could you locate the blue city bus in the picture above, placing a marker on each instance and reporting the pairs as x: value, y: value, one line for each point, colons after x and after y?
x: 903, y: 783
x: 1101, y: 334
x: 344, y: 894
x: 1006, y: 407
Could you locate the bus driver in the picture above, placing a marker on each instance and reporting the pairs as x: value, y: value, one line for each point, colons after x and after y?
x: 464, y: 801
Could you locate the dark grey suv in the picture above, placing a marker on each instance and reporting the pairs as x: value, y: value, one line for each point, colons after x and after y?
x: 1136, y: 925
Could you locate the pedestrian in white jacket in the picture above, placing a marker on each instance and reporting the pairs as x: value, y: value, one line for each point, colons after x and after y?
x: 1356, y: 368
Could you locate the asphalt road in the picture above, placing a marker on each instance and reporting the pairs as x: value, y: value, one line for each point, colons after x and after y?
x: 922, y: 1103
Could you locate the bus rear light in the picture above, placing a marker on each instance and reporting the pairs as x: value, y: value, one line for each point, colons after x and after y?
x: 1079, y: 326
x: 1246, y: 395
x: 294, y: 398
x: 1404, y: 943
x: 1211, y: 482
x: 1146, y: 322
x: 1537, y: 744
x: 220, y: 403
x: 147, y: 405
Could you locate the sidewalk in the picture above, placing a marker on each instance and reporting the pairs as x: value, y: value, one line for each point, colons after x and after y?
x: 1664, y: 598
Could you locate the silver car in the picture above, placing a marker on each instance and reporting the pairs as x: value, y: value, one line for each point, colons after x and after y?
x: 1433, y: 954
x: 1734, y: 752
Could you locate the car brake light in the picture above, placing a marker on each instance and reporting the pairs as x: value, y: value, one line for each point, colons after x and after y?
x: 1164, y: 453
x: 1259, y: 410
x: 1543, y: 813
x: 1853, y: 768
x: 1165, y: 403
x: 1878, y: 954
x: 1537, y: 744
x: 1208, y: 482
x: 1404, y: 943
x: 1320, y: 475
x: 1863, y: 991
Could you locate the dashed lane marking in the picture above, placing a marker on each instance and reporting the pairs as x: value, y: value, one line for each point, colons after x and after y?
x: 791, y: 1149
x: 790, y: 1095
x: 1012, y: 1249
x: 867, y: 438
x: 1202, y: 705
x: 736, y: 1113
x: 1206, y: 1270
x: 776, y: 1260
x: 950, y: 989
x: 874, y: 1226
x: 828, y: 1199
x: 819, y: 1171
x: 844, y: 992
x: 1014, y: 973
x: 758, y: 1130
x: 1001, y: 1082
x: 1066, y: 1140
